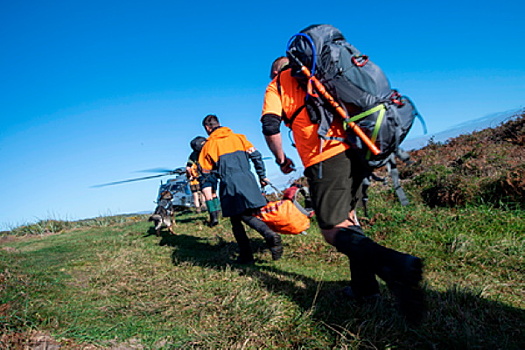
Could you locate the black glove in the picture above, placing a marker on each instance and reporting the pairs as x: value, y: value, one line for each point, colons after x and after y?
x: 287, y: 166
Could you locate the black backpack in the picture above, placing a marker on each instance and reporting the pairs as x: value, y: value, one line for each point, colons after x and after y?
x: 357, y: 85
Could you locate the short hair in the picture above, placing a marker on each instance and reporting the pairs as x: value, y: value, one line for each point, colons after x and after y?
x: 211, y: 120
x: 278, y: 65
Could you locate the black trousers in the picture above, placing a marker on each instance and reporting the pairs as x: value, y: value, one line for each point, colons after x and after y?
x: 239, y: 232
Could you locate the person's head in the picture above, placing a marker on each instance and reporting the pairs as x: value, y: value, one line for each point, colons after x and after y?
x: 210, y: 123
x: 278, y: 65
x: 197, y: 143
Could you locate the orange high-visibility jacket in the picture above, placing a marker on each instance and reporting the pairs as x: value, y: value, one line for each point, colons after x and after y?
x: 227, y: 154
x: 285, y: 95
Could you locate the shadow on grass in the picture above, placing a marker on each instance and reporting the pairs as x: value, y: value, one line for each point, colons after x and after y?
x: 457, y: 319
x: 184, y: 220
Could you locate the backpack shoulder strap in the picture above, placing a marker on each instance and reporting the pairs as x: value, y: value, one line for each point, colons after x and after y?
x: 287, y: 120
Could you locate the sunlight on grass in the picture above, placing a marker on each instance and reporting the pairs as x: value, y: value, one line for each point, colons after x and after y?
x: 119, y: 285
x: 111, y: 283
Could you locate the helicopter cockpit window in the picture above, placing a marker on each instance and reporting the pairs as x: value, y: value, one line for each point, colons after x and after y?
x: 176, y: 188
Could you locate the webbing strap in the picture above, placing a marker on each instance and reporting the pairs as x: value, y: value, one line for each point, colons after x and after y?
x: 271, y: 207
x: 366, y: 113
x: 379, y: 108
x: 397, y: 187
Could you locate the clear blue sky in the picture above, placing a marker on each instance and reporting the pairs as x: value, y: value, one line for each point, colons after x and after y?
x: 93, y: 91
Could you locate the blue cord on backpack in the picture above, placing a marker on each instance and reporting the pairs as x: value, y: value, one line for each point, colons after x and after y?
x: 418, y: 116
x: 312, y: 45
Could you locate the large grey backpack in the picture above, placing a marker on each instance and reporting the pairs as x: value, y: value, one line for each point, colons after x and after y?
x: 358, y: 85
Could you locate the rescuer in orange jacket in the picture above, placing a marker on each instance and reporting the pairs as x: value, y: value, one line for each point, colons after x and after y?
x: 334, y: 176
x: 228, y: 155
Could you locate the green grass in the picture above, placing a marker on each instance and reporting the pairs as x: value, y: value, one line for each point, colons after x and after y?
x: 108, y: 283
x: 117, y: 285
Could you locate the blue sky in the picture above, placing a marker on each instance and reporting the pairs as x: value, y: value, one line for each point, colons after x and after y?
x: 94, y: 91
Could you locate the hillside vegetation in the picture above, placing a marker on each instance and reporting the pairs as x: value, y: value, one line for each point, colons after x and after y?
x: 110, y: 283
x: 485, y: 167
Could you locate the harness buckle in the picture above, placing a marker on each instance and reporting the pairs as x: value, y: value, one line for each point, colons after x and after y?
x: 396, y: 98
x: 360, y: 61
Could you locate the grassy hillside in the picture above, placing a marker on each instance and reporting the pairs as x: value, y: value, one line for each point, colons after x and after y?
x: 485, y: 167
x: 109, y: 283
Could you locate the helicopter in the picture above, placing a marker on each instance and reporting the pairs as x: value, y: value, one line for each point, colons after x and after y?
x: 179, y: 186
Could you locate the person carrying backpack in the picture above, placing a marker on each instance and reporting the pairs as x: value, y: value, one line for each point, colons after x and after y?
x: 228, y: 155
x: 198, y: 184
x: 335, y: 173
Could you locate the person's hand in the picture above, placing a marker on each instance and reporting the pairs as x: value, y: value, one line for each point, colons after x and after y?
x: 287, y: 166
x: 264, y: 182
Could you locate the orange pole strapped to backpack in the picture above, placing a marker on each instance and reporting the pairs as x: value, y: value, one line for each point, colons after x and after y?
x: 355, y: 128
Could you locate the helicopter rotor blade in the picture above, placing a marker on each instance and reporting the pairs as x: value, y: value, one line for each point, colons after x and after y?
x: 156, y: 170
x: 177, y: 171
x: 130, y: 180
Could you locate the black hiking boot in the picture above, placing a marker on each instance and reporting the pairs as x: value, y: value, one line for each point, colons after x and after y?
x: 349, y: 294
x: 245, y: 260
x: 275, y: 244
x: 214, y: 218
x: 403, y: 280
x: 401, y: 272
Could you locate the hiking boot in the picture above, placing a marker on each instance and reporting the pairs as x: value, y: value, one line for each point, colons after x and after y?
x: 275, y: 244
x: 245, y: 260
x: 404, y: 282
x: 214, y: 218
x: 349, y: 293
